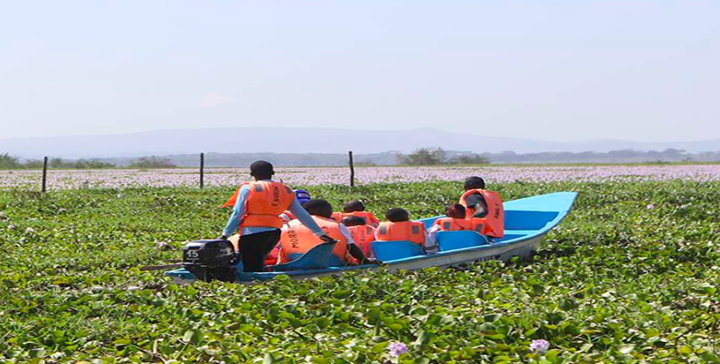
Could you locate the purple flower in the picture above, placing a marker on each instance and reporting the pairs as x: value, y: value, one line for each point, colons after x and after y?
x: 539, y: 346
x: 397, y: 349
x: 650, y: 206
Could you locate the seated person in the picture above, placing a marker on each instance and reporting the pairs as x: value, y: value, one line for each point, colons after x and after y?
x: 298, y: 239
x: 484, y: 208
x: 454, y: 219
x: 400, y: 228
x: 362, y: 233
x: 356, y: 208
x: 301, y: 196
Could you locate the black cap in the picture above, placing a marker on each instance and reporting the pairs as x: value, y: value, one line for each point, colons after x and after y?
x: 474, y: 182
x: 261, y: 169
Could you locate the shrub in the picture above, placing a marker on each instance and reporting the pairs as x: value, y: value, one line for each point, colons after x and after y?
x: 152, y: 162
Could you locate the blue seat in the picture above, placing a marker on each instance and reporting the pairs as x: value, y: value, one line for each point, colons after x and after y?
x: 395, y: 250
x: 320, y: 256
x: 453, y: 240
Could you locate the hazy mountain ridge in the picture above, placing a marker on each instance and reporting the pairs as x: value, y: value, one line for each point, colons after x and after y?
x: 393, y: 158
x: 303, y: 140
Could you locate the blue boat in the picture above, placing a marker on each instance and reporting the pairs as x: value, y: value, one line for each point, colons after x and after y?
x: 527, y: 221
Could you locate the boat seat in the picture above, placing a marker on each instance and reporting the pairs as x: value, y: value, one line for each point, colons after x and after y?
x: 453, y: 240
x: 320, y: 256
x: 395, y: 250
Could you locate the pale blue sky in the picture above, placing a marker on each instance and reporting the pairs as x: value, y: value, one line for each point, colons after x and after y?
x: 555, y: 70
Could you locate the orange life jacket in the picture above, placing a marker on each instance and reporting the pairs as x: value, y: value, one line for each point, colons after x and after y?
x: 272, y: 257
x: 296, y: 238
x: 363, y: 235
x: 264, y: 204
x: 233, y: 199
x: 369, y: 217
x: 493, y: 224
x: 405, y: 230
x: 452, y: 224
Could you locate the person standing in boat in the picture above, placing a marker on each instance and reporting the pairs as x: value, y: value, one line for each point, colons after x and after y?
x: 256, y: 215
x: 483, y: 208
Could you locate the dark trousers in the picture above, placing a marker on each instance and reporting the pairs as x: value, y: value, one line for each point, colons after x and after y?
x: 254, y: 248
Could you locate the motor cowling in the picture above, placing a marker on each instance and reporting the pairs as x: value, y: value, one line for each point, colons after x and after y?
x: 210, y: 260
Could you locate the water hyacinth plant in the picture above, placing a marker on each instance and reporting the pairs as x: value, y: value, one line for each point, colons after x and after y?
x: 129, y: 178
x: 615, y: 283
x: 539, y: 346
x: 396, y: 349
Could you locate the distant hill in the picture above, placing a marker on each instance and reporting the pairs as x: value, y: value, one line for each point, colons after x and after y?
x: 391, y: 158
x: 304, y: 140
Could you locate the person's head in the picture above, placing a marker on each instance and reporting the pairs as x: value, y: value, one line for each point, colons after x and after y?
x: 354, y: 205
x: 353, y: 221
x: 319, y: 207
x: 456, y: 211
x: 302, y: 196
x: 261, y: 170
x: 474, y: 183
x: 397, y: 215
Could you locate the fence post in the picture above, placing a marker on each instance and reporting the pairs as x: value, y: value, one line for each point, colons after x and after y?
x: 202, y: 170
x: 352, y: 170
x: 44, y: 175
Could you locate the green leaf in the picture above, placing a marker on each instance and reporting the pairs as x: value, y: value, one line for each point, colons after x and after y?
x: 192, y: 336
x: 685, y: 350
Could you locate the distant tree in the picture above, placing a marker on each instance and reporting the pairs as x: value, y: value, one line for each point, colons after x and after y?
x: 365, y: 163
x: 152, y: 162
x: 9, y: 162
x: 424, y: 157
x: 33, y: 164
x: 70, y: 164
x: 91, y: 164
x: 56, y: 163
x: 469, y: 159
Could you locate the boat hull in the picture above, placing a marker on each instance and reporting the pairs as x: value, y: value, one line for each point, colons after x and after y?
x: 527, y: 222
x: 462, y: 258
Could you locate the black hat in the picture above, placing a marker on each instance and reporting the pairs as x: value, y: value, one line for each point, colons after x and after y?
x: 261, y: 169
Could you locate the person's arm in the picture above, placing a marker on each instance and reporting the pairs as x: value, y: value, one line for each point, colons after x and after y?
x: 346, y: 233
x: 375, y: 222
x: 431, y: 234
x: 430, y: 245
x: 478, y: 204
x: 238, y: 211
x: 305, y: 218
x: 353, y: 249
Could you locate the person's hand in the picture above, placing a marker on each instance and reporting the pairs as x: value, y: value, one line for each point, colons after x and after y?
x: 327, y: 239
x: 372, y: 261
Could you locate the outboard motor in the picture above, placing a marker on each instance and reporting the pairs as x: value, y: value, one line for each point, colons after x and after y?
x: 210, y: 260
